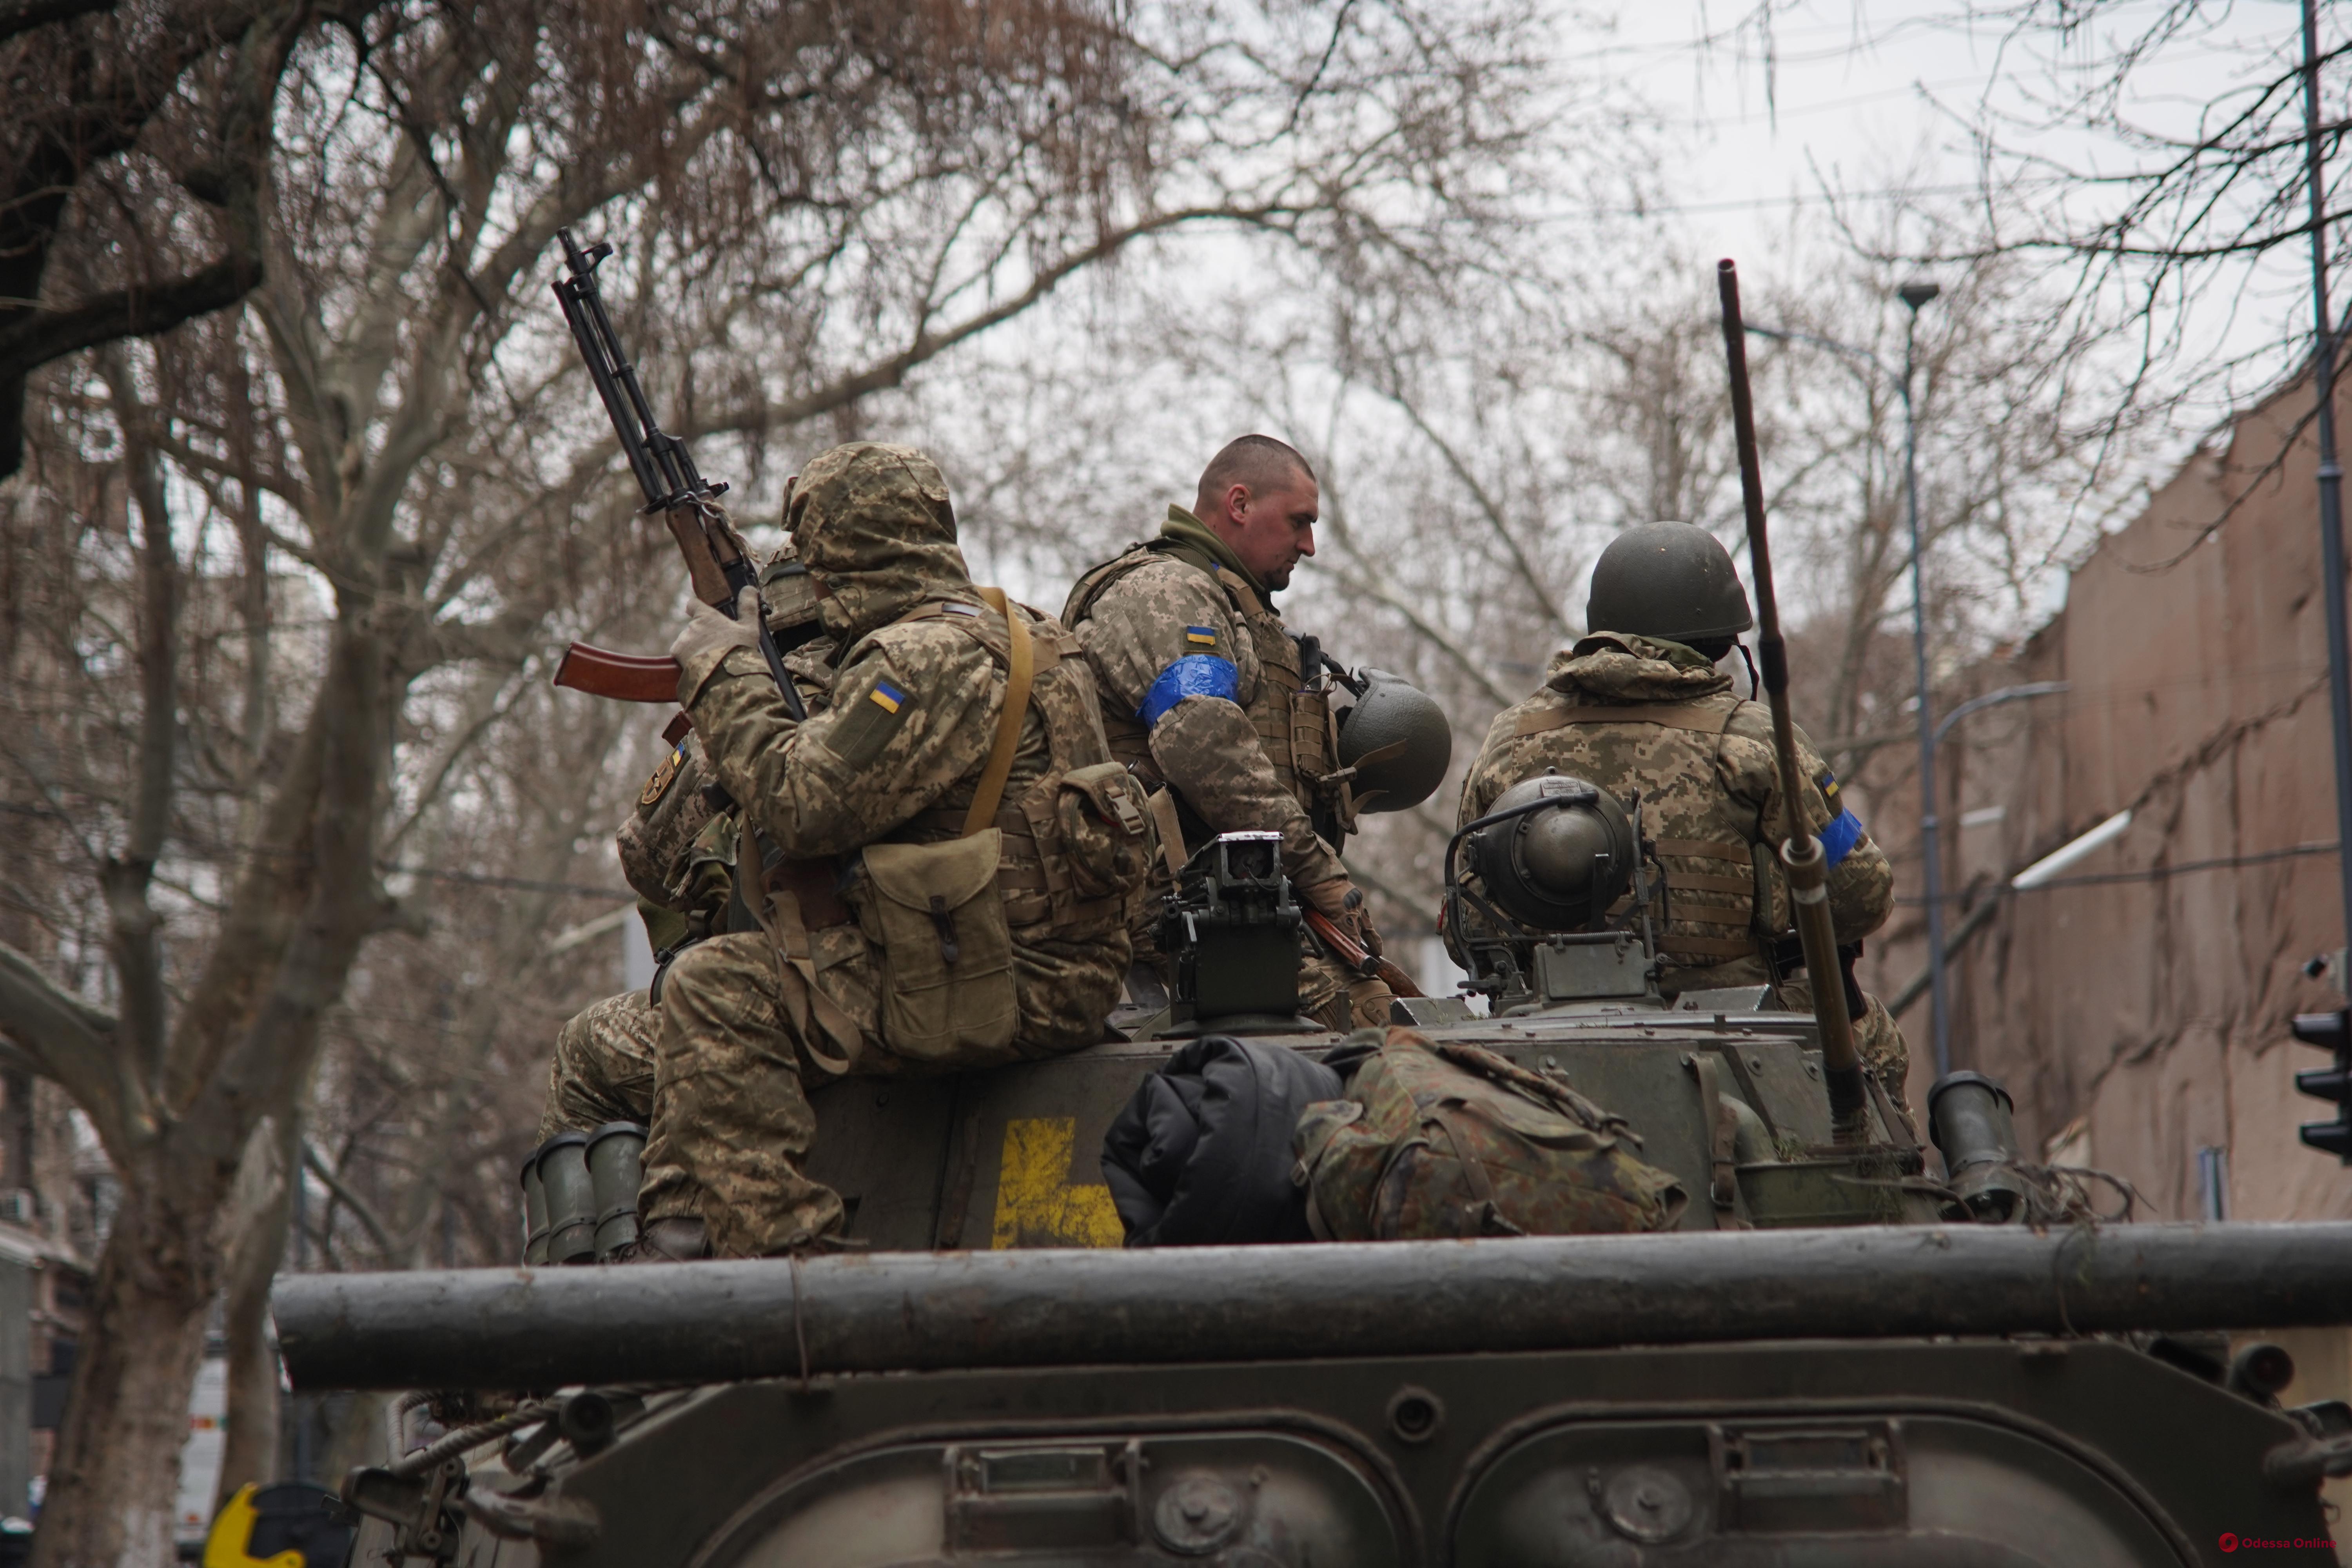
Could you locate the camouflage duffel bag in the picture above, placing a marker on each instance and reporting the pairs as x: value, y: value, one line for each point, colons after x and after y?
x: 1454, y: 1140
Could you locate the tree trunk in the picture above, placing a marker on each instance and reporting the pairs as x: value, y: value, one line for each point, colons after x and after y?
x: 256, y: 1228
x: 117, y: 1466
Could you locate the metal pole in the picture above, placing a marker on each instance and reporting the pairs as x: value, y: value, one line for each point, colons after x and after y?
x: 923, y: 1311
x: 1915, y: 295
x: 2331, y: 473
x: 1994, y: 700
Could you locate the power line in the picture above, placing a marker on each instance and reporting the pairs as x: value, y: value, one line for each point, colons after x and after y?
x: 2152, y: 874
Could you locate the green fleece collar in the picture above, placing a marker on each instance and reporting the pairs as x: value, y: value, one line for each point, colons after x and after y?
x: 1185, y: 529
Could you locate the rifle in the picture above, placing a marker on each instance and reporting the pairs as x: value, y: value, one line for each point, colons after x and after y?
x: 716, y: 560
x: 1802, y: 855
x: 1360, y: 958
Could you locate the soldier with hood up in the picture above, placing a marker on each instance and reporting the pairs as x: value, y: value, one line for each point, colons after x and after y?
x: 677, y: 850
x: 1639, y: 704
x: 988, y: 855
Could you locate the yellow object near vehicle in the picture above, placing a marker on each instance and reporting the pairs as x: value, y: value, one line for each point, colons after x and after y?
x: 282, y: 1525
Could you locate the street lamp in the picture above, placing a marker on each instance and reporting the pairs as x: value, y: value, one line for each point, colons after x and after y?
x: 1914, y: 294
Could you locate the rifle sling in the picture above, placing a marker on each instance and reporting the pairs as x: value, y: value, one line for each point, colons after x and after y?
x: 1008, y: 721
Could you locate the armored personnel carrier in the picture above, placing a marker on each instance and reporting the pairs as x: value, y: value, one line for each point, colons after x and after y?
x: 1846, y: 1352
x: 1851, y: 1350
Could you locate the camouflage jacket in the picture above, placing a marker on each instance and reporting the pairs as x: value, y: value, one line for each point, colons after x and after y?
x: 676, y: 847
x: 1200, y: 687
x: 899, y: 754
x: 1629, y: 713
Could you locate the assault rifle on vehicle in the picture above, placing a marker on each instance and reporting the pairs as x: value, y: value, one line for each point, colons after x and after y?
x: 715, y: 559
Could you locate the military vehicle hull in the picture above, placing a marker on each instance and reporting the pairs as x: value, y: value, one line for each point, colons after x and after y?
x: 1010, y: 1158
x: 1774, y: 1393
x: 1905, y: 1448
x: 1901, y: 1452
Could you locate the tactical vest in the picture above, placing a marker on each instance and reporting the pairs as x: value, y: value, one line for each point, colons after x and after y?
x: 1713, y: 853
x: 1056, y: 877
x: 1295, y: 726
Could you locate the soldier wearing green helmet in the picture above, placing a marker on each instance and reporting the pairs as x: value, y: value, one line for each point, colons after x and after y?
x: 1638, y: 704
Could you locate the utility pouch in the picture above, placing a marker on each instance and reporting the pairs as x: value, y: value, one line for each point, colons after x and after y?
x: 1094, y: 834
x: 661, y: 832
x: 707, y: 886
x: 938, y: 916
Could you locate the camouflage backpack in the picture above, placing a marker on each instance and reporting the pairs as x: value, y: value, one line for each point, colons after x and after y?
x: 1454, y: 1140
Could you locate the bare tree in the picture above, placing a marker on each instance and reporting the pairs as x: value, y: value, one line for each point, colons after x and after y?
x: 135, y: 151
x: 363, y: 506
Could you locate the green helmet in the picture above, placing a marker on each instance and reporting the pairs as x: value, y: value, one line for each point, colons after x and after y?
x: 1670, y: 581
x: 1398, y: 740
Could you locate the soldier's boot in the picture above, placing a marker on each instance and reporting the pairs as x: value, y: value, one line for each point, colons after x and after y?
x: 667, y: 1241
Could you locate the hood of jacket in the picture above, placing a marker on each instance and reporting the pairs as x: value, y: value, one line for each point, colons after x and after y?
x: 1618, y: 666
x: 873, y: 524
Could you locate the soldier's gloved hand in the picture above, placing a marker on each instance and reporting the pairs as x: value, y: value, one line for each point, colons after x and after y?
x: 1338, y: 900
x: 709, y: 636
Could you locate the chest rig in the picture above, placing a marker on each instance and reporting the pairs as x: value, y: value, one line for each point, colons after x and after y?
x: 1294, y: 723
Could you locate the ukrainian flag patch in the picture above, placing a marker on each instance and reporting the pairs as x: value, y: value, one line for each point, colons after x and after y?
x: 1200, y: 637
x: 887, y: 697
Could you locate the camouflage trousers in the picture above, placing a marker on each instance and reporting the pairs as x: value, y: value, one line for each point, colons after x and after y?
x: 1877, y: 1038
x: 730, y: 1106
x: 603, y: 1072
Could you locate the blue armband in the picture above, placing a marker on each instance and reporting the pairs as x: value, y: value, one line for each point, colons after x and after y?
x: 1844, y: 832
x: 1195, y: 675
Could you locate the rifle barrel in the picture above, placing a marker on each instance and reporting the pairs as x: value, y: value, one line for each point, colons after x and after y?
x: 664, y: 469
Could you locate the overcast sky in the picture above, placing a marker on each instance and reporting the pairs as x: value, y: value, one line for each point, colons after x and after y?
x: 1865, y: 90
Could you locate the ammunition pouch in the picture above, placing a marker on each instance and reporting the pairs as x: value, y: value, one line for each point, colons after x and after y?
x: 936, y: 915
x: 657, y: 840
x: 706, y: 890
x: 1094, y: 842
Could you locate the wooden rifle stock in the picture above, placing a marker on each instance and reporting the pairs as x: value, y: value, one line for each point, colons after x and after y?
x: 1356, y: 956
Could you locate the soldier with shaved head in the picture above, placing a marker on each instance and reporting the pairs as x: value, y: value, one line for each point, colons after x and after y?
x: 1204, y: 696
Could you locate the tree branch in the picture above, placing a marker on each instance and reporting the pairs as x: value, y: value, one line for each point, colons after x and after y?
x: 41, y: 336
x: 64, y: 1039
x: 133, y: 926
x: 24, y: 15
x: 343, y: 1194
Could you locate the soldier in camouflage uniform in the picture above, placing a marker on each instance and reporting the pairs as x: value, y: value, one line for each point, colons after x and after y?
x: 678, y: 851
x: 1202, y: 692
x: 985, y: 869
x: 1638, y: 704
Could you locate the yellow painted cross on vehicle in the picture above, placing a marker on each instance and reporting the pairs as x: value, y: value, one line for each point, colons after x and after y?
x: 1037, y: 1203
